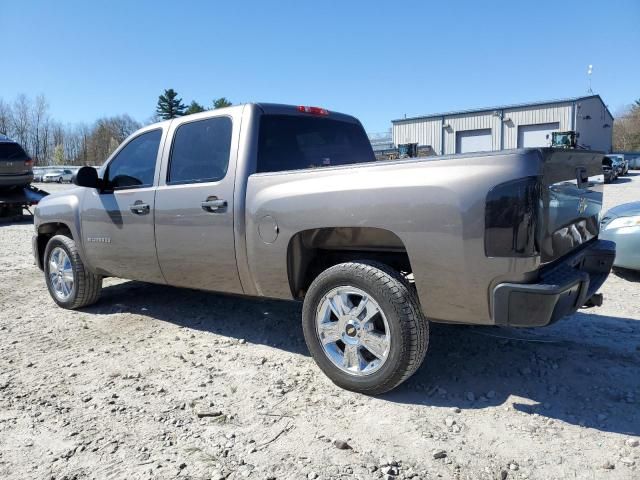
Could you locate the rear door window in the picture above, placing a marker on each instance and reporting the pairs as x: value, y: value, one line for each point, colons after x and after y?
x: 134, y: 166
x: 12, y: 151
x: 200, y: 151
x: 294, y: 142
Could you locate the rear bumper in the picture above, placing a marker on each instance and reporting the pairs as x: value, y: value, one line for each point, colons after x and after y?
x: 563, y: 287
x: 15, y: 180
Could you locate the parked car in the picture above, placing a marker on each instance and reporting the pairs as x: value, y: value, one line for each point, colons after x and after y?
x: 289, y: 202
x: 59, y: 176
x: 621, y: 163
x: 37, y: 174
x: 610, y: 174
x: 618, y: 166
x: 621, y: 225
x: 16, y: 167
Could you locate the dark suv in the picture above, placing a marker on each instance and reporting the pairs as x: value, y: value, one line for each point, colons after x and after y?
x: 15, y: 165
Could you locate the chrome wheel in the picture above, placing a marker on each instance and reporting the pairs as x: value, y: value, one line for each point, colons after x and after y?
x: 353, y: 331
x: 61, y: 274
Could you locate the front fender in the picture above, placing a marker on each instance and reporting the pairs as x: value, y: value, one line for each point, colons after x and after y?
x: 57, y: 211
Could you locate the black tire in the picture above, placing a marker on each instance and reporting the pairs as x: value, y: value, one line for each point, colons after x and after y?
x: 86, y: 285
x: 59, y: 180
x: 409, y: 329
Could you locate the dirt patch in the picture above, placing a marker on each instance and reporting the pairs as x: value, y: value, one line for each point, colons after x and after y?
x: 157, y: 382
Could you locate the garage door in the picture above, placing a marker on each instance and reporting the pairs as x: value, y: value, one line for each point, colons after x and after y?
x: 473, y: 141
x: 536, y: 135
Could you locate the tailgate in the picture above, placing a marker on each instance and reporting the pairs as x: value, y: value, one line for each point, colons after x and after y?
x: 572, y: 187
x: 13, y: 159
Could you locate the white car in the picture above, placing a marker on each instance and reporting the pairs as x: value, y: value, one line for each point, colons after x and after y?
x: 58, y: 176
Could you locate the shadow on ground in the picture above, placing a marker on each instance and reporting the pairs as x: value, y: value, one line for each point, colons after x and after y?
x: 583, y: 370
x: 624, y: 179
x: 16, y: 220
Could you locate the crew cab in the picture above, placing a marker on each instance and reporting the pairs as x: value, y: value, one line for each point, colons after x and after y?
x: 289, y: 202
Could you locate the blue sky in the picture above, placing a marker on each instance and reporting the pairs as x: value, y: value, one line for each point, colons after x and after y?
x: 375, y: 60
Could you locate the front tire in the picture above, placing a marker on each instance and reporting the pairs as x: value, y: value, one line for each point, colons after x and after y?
x: 364, y: 327
x: 70, y: 283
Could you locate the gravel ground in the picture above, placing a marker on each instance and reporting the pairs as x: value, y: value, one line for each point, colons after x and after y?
x: 157, y: 382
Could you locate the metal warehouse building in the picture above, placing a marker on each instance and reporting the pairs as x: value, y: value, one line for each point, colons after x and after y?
x: 510, y: 126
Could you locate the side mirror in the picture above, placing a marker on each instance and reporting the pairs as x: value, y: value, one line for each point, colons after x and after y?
x: 86, y: 177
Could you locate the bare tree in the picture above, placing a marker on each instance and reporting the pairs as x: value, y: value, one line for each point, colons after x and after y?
x: 21, y: 120
x: 5, y: 118
x: 39, y: 129
x: 626, y: 130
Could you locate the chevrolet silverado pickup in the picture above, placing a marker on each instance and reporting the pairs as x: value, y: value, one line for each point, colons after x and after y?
x: 289, y: 202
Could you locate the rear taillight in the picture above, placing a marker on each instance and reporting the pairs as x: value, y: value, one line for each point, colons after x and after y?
x: 28, y: 163
x: 511, y: 217
x: 313, y: 110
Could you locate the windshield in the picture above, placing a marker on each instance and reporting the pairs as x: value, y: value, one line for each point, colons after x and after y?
x: 293, y: 142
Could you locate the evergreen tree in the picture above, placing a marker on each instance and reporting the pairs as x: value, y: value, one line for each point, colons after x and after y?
x: 169, y: 105
x: 194, y: 107
x: 221, y: 102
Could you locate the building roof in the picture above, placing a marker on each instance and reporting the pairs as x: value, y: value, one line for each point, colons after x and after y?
x: 502, y: 107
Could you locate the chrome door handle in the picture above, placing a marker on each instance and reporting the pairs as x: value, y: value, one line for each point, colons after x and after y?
x: 213, y: 205
x: 140, y: 208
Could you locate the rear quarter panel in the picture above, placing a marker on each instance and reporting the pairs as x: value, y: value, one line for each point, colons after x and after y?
x: 436, y: 207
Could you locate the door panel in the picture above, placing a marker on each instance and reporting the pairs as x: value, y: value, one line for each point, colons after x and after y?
x: 118, y: 241
x: 195, y: 246
x: 117, y: 221
x: 194, y: 205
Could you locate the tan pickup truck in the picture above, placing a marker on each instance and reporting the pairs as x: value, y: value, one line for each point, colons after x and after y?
x: 288, y: 202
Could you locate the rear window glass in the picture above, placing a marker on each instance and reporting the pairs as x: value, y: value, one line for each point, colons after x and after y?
x: 12, y: 151
x: 288, y: 142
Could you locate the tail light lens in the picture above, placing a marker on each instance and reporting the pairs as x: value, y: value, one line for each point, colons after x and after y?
x: 511, y: 218
x: 28, y: 163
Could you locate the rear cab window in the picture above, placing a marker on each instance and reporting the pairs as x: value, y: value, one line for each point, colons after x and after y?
x: 12, y: 151
x: 200, y: 151
x: 295, y: 142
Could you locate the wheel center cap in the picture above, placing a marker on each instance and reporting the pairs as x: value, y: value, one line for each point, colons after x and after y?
x: 351, y: 330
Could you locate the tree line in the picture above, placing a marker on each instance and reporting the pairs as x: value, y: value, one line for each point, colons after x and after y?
x: 626, y: 129
x: 50, y: 142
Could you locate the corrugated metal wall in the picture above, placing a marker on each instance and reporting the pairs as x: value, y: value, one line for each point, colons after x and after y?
x: 430, y: 131
x: 424, y: 132
x: 593, y: 132
x: 560, y: 113
x: 460, y: 123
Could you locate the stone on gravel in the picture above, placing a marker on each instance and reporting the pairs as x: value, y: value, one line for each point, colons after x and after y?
x: 632, y: 442
x: 438, y: 454
x: 342, y: 445
x: 608, y: 465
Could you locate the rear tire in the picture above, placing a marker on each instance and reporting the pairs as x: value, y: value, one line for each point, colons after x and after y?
x: 70, y: 283
x: 401, y: 332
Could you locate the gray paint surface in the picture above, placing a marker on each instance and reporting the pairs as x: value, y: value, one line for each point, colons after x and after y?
x: 434, y: 206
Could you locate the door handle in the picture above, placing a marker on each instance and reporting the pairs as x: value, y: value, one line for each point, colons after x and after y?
x: 213, y: 204
x: 140, y: 208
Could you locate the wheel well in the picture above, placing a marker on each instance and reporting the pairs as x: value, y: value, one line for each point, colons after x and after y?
x: 48, y: 230
x: 310, y: 252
